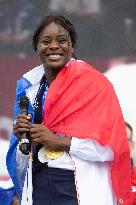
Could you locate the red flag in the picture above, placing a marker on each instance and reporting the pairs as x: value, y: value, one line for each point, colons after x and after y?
x: 81, y: 102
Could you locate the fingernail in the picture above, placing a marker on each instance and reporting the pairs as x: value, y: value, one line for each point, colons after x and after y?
x: 28, y: 117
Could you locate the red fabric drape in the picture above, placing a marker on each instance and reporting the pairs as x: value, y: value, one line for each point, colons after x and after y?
x: 133, y: 177
x: 132, y: 199
x: 82, y: 103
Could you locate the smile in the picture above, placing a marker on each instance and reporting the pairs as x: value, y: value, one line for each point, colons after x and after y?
x: 54, y: 56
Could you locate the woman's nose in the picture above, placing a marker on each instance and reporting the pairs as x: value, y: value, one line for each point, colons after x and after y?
x: 54, y: 45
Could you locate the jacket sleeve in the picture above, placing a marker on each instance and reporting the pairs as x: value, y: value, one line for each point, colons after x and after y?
x: 91, y: 150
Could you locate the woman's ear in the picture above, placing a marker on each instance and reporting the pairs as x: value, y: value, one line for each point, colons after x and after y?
x: 71, y: 50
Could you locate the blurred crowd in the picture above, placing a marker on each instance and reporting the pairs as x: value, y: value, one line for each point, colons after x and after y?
x: 108, y: 25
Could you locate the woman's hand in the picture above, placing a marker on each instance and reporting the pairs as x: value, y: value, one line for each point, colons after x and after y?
x: 22, y: 124
x: 41, y: 134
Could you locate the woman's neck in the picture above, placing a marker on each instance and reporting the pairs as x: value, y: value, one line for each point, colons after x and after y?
x: 51, y: 74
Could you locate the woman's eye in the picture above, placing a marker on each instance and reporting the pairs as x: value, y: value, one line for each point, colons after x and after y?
x: 45, y: 42
x: 62, y: 40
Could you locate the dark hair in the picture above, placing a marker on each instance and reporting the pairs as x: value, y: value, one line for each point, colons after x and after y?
x: 131, y: 129
x: 61, y: 20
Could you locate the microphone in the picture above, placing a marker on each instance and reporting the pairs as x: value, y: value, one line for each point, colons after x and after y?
x: 25, y: 139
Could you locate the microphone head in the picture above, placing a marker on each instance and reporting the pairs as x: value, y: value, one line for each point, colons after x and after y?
x: 23, y: 102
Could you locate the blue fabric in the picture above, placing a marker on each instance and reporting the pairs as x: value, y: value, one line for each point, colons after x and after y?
x: 22, y: 85
x: 53, y: 186
x: 6, y: 196
x: 17, y: 178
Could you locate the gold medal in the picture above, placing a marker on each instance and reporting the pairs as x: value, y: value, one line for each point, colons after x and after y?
x: 52, y: 155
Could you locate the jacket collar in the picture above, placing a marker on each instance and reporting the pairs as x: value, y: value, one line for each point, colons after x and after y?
x: 30, y: 78
x: 34, y: 76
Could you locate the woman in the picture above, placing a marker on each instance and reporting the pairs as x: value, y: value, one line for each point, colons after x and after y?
x: 77, y: 131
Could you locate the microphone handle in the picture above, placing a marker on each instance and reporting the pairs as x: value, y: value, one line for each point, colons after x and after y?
x: 25, y: 139
x: 25, y: 144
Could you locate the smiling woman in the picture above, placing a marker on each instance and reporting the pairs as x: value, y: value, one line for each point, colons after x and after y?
x: 54, y: 47
x: 54, y: 41
x: 75, y: 135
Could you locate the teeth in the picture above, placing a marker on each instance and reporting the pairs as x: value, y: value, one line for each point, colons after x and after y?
x: 54, y: 55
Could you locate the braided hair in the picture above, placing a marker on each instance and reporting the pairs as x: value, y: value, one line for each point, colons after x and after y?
x: 58, y: 19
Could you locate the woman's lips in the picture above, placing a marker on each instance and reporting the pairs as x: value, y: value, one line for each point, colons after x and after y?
x: 54, y: 56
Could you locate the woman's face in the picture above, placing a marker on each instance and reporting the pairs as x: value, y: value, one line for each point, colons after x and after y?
x: 54, y: 47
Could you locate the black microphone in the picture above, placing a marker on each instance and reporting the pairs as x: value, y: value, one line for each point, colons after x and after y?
x: 25, y: 145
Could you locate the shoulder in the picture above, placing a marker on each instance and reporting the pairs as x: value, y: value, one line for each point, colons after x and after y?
x: 94, y: 76
x: 29, y: 79
x: 35, y: 74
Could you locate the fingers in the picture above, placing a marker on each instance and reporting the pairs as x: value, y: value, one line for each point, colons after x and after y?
x: 37, y: 128
x: 22, y: 124
x: 23, y: 116
x: 37, y: 141
x: 39, y: 134
x: 36, y: 138
x: 36, y: 133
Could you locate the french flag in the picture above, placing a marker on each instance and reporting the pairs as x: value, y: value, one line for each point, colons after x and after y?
x: 7, y: 192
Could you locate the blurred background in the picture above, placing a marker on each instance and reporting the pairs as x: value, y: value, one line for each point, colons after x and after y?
x: 106, y: 39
